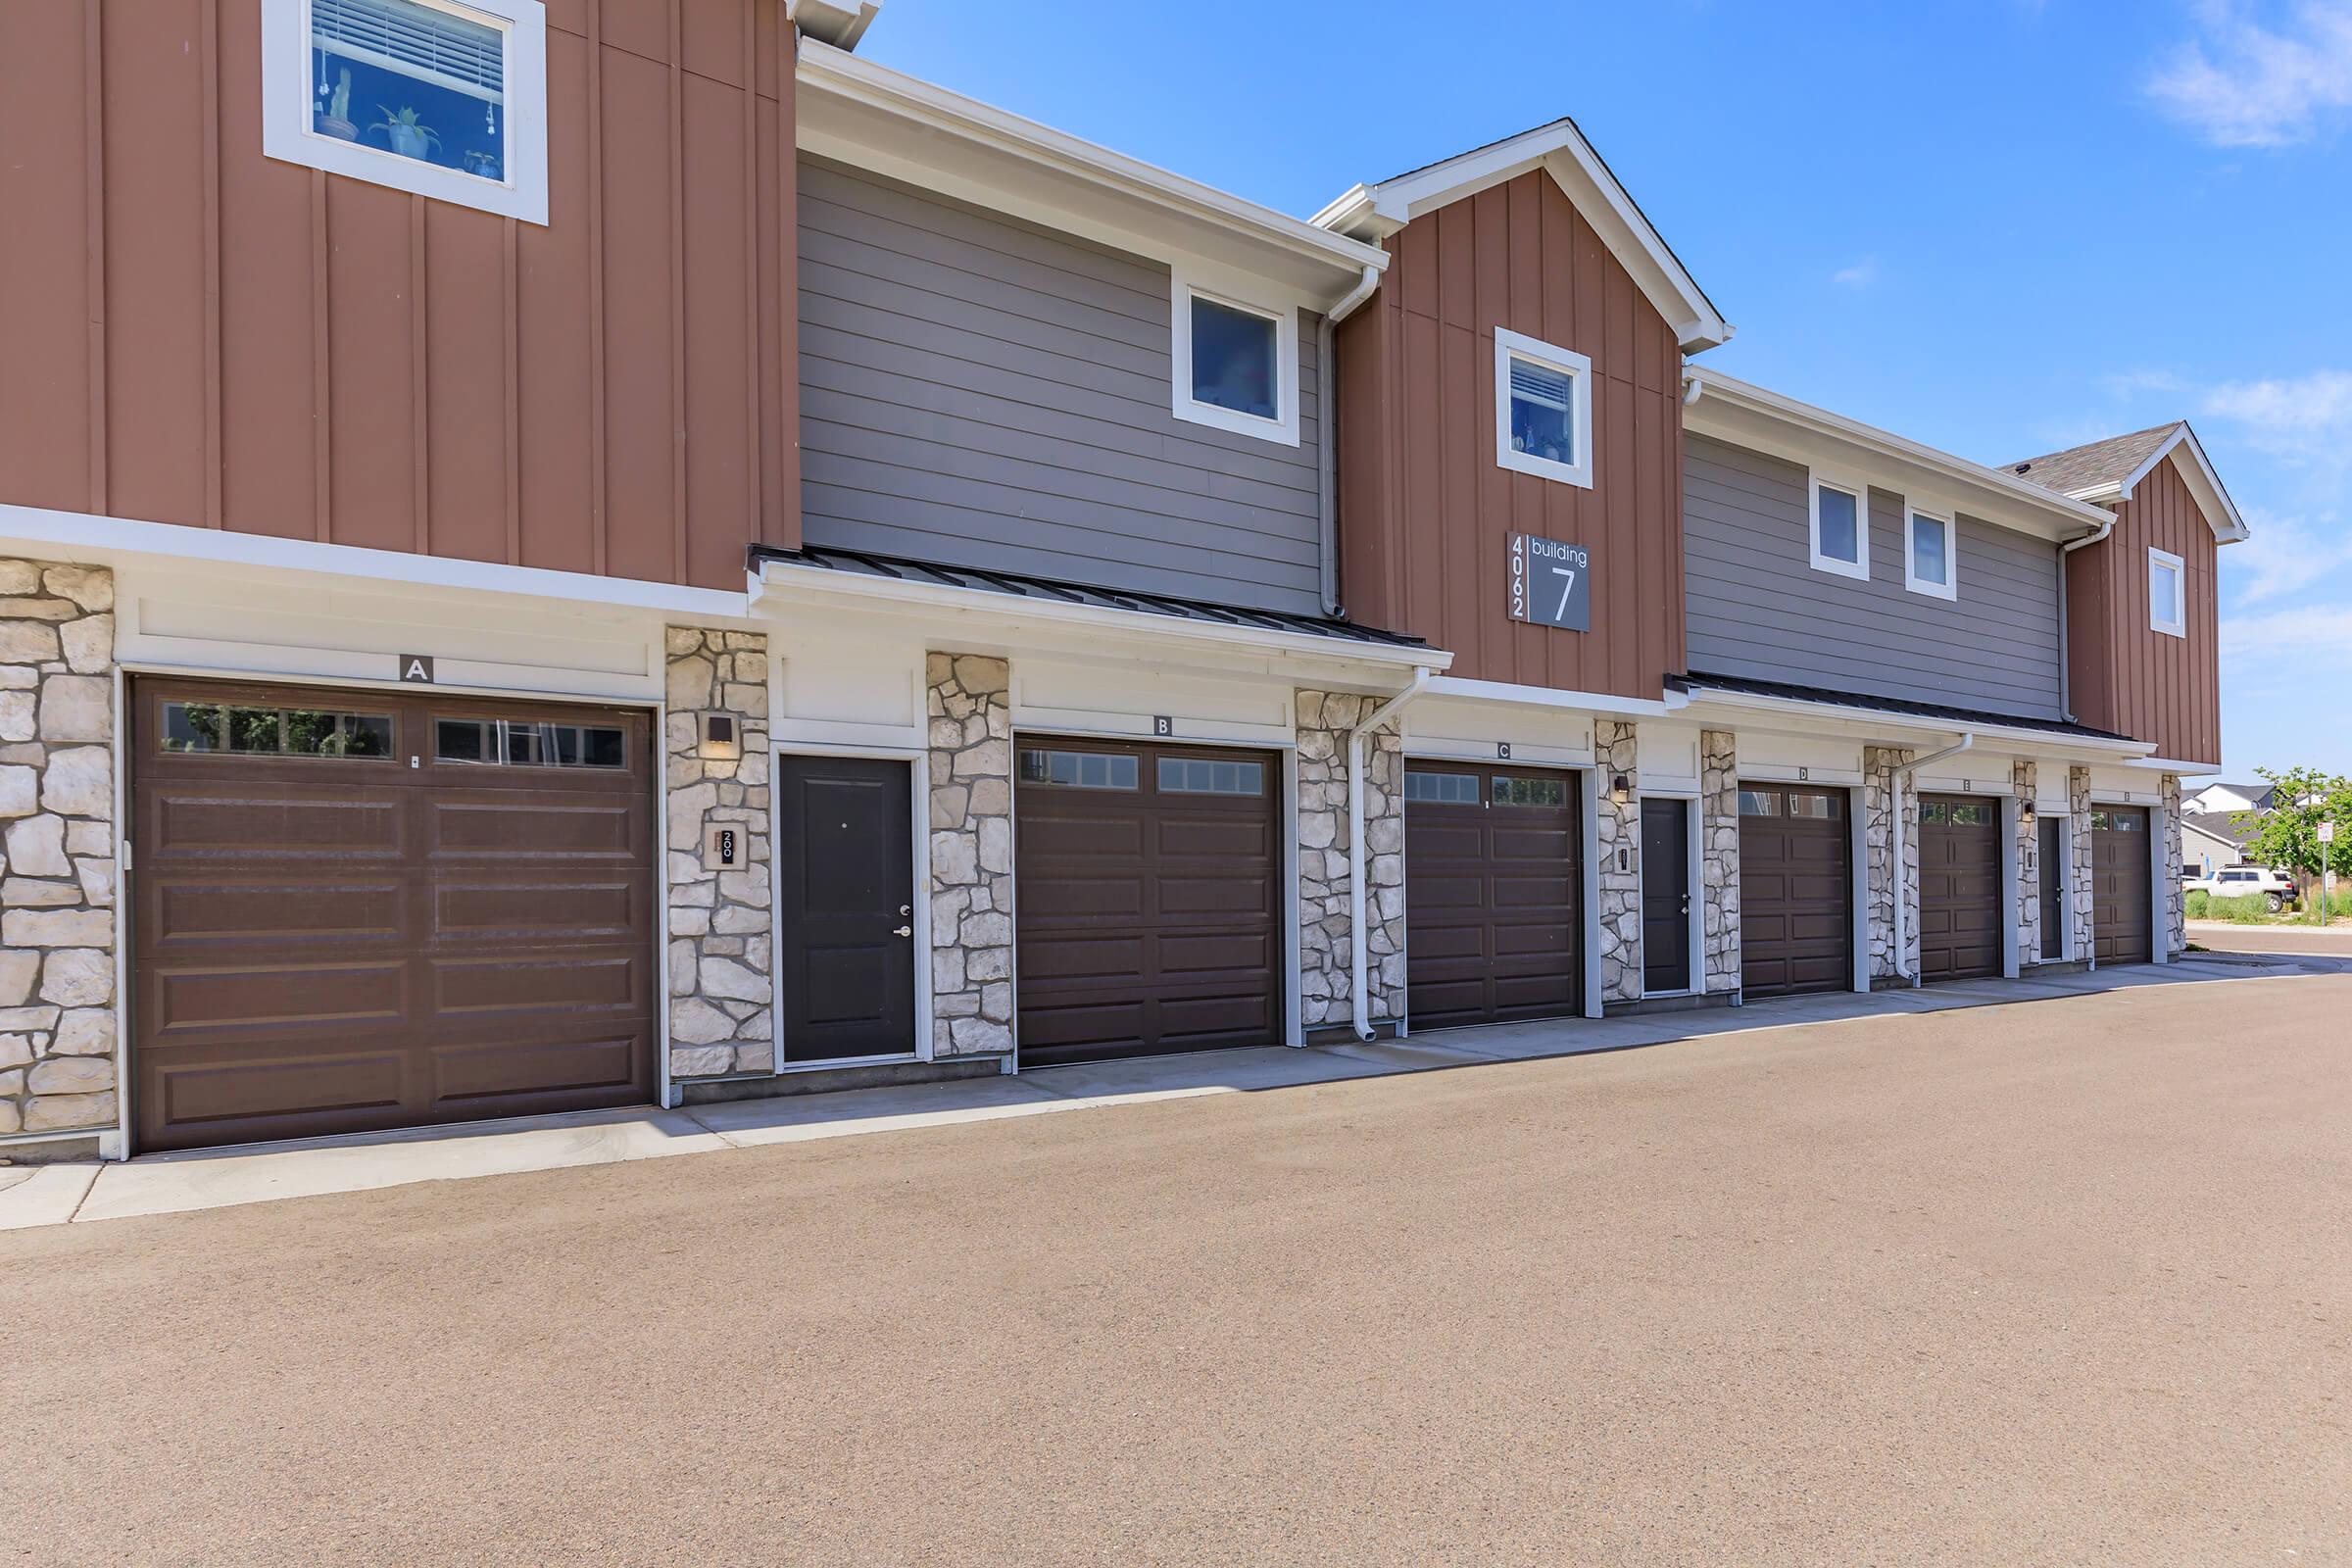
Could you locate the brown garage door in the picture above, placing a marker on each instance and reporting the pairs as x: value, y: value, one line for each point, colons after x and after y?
x: 1959, y: 887
x: 356, y: 910
x: 2119, y: 874
x: 1493, y: 869
x: 1797, y: 890
x: 1148, y: 917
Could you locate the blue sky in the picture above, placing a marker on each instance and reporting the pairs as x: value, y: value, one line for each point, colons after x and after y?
x: 1998, y: 226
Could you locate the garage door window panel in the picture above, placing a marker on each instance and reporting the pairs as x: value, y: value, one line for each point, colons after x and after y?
x: 523, y: 743
x: 241, y: 730
x: 1079, y: 771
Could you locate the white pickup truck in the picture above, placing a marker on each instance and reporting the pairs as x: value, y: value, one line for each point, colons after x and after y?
x: 2277, y: 891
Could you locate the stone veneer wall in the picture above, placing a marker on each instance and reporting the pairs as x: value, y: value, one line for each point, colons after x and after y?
x: 1879, y: 806
x: 2175, y: 908
x: 721, y: 966
x: 2027, y: 849
x: 1719, y: 843
x: 1619, y: 826
x: 1325, y: 948
x: 57, y: 797
x: 2080, y: 875
x: 971, y: 705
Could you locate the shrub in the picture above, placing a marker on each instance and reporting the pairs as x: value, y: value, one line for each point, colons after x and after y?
x: 2198, y: 899
x: 2246, y: 909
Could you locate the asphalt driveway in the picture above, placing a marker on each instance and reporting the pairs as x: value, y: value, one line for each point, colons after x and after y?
x: 2062, y: 1282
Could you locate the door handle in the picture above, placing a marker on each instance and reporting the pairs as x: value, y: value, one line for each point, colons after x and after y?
x: 903, y: 931
x: 1686, y: 904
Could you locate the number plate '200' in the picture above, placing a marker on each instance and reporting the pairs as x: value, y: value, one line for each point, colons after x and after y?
x: 1551, y: 583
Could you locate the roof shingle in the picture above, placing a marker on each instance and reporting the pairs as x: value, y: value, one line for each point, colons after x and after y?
x: 2102, y: 463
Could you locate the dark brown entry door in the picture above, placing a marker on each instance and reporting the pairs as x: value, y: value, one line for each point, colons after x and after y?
x: 2120, y: 897
x: 1148, y: 918
x: 845, y: 892
x: 1959, y: 887
x: 357, y: 910
x: 1665, y: 895
x: 1494, y: 870
x: 1797, y: 890
x: 2054, y: 873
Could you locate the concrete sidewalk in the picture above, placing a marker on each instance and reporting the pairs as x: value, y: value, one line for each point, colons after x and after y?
x: 162, y: 1183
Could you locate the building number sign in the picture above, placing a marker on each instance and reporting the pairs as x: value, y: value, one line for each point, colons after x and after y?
x: 1551, y: 583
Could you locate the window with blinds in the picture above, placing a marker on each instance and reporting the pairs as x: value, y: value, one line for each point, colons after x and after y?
x: 419, y: 81
x: 1544, y: 409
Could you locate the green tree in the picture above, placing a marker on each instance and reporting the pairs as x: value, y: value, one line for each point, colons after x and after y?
x: 2287, y: 835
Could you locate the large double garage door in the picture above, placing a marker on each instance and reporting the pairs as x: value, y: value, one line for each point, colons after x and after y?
x: 356, y: 910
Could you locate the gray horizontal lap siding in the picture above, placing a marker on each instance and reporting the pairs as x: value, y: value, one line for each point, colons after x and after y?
x: 1757, y: 608
x: 983, y: 392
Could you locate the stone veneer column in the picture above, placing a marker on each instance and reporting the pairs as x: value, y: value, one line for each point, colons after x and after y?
x: 2081, y: 877
x: 1326, y: 987
x: 2023, y: 777
x: 1880, y: 803
x: 2176, y: 901
x: 1620, y: 852
x: 722, y: 969
x: 58, y: 1062
x: 1719, y: 846
x: 971, y: 705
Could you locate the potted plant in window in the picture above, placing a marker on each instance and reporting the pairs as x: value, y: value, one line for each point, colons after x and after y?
x: 335, y: 118
x: 481, y: 163
x: 410, y: 138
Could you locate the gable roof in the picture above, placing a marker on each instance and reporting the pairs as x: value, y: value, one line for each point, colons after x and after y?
x: 1373, y: 212
x: 2260, y: 794
x: 2107, y: 471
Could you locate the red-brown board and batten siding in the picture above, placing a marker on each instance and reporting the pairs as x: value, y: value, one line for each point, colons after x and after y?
x: 194, y: 333
x: 2122, y: 674
x: 1426, y: 512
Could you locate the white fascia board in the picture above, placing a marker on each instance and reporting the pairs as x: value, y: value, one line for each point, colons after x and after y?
x: 815, y: 587
x: 869, y: 116
x: 1746, y: 415
x: 2167, y: 765
x: 78, y: 536
x: 1725, y: 708
x: 1497, y: 691
x: 2213, y: 502
x: 1375, y: 212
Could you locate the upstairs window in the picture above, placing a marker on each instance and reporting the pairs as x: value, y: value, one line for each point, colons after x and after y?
x: 442, y: 98
x: 1542, y: 410
x: 1236, y: 362
x: 1929, y: 552
x: 2168, y: 595
x: 1839, y: 528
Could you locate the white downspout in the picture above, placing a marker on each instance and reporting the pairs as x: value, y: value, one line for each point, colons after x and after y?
x: 1327, y: 444
x: 1359, y: 990
x: 2091, y: 538
x: 1903, y: 934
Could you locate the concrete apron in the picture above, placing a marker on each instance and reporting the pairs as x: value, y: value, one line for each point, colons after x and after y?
x: 165, y: 1184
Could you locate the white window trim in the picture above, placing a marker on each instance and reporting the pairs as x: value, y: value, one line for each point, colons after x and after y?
x: 1815, y: 484
x: 1577, y: 368
x: 2175, y: 625
x: 1913, y: 516
x: 1183, y: 288
x: 288, y: 93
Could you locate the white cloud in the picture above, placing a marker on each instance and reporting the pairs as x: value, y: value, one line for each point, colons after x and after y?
x: 2244, y: 85
x: 2303, y: 414
x: 2319, y: 633
x: 2282, y: 554
x: 1861, y: 275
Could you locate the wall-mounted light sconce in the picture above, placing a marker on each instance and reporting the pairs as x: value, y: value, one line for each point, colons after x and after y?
x: 1621, y: 788
x: 2026, y: 812
x: 721, y: 742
